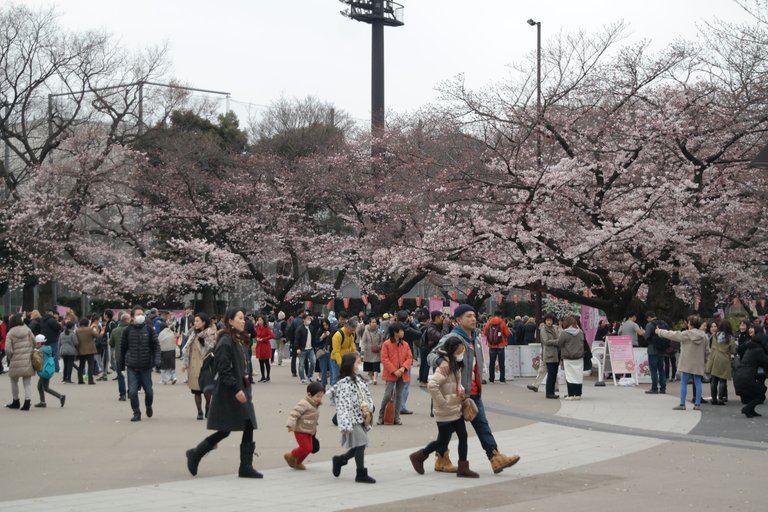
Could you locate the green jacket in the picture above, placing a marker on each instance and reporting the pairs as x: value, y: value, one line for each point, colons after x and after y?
x: 719, y: 360
x: 114, y: 341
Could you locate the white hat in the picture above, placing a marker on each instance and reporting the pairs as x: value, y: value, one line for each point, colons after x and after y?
x: 40, y: 339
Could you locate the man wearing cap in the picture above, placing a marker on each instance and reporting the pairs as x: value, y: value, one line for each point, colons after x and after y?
x: 655, y: 358
x: 466, y: 323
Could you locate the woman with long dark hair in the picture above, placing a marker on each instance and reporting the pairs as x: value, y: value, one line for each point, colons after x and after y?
x: 353, y: 400
x: 231, y: 404
x: 447, y: 396
x: 721, y: 347
x: 323, y: 342
x: 199, y: 344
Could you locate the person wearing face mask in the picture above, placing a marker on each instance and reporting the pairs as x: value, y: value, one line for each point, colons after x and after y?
x: 139, y: 353
x: 447, y: 396
x: 466, y: 329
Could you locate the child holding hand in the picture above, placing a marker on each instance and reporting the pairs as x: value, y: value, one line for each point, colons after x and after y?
x: 303, y: 422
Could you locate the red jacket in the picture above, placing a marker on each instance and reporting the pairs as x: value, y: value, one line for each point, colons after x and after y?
x: 264, y: 347
x: 496, y: 320
x: 395, y: 356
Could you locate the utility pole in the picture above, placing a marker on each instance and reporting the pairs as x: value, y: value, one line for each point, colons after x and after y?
x: 377, y: 13
x: 537, y: 24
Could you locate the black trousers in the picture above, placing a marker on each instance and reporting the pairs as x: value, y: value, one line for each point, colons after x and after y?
x: 91, y: 361
x: 445, y: 430
x: 551, y: 377
x: 718, y: 388
x: 670, y: 366
x: 69, y: 364
x: 222, y: 434
x: 43, y: 387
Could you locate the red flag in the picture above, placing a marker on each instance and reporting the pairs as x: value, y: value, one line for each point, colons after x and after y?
x: 517, y: 298
x: 365, y: 299
x: 501, y: 298
x: 330, y: 305
x: 346, y: 302
x: 468, y: 292
x: 454, y: 294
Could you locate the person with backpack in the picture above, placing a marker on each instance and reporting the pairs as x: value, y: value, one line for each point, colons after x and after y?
x: 139, y: 353
x: 342, y: 342
x: 46, y: 373
x: 19, y: 344
x: 232, y: 401
x: 280, y: 328
x: 657, y: 348
x: 497, y: 333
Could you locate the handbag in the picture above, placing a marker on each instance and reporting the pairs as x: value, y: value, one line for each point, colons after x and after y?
x: 469, y: 409
x: 389, y: 410
x: 320, y: 353
x: 365, y: 409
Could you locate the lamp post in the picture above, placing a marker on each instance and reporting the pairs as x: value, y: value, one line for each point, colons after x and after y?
x: 537, y: 24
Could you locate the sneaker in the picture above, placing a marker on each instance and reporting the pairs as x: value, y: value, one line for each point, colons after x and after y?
x: 502, y: 381
x: 570, y: 398
x: 406, y: 412
x: 532, y: 388
x: 303, y: 381
x: 651, y: 392
x: 679, y: 408
x: 696, y: 408
x: 41, y: 404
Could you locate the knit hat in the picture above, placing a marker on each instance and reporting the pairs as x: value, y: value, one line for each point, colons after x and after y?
x: 40, y: 338
x: 463, y: 308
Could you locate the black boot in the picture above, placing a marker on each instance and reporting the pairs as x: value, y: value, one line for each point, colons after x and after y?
x: 198, y: 452
x: 363, y: 478
x: 338, y: 462
x: 14, y: 405
x: 27, y: 405
x: 246, y: 462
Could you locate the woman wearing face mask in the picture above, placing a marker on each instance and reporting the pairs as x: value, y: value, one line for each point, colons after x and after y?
x: 231, y: 404
x: 352, y: 399
x: 371, y: 343
x: 322, y: 339
x: 447, y: 396
x: 197, y: 347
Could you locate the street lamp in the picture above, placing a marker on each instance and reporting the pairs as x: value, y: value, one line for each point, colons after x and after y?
x: 537, y: 24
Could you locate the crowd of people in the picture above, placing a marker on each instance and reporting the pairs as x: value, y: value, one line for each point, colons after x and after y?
x: 342, y: 356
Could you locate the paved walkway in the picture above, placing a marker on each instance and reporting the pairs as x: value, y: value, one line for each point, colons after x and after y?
x: 544, y: 448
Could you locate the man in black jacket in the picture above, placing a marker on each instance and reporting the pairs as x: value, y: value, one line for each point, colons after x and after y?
x: 433, y: 331
x: 139, y: 353
x: 51, y: 328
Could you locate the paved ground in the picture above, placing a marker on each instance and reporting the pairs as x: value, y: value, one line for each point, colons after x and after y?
x: 618, y: 446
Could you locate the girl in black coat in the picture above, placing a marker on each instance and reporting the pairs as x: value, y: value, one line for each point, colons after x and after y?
x: 231, y: 402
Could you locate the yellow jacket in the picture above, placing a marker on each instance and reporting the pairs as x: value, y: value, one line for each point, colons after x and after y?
x: 341, y: 343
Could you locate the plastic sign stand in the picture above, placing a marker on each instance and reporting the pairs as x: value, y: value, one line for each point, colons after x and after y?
x: 622, y: 356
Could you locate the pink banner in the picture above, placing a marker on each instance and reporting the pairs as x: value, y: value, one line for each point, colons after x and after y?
x: 622, y: 354
x: 435, y: 305
x: 590, y: 321
x: 454, y: 305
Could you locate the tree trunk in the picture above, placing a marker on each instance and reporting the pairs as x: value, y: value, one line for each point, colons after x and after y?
x: 28, y: 296
x: 46, y: 296
x: 662, y: 300
x: 208, y: 305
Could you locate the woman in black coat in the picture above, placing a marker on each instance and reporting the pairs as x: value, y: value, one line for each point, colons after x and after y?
x: 231, y: 401
x: 749, y: 386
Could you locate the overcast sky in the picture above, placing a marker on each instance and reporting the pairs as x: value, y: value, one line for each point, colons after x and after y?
x: 261, y: 49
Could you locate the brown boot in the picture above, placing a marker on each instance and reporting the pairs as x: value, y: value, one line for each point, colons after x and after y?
x: 443, y: 463
x: 464, y: 471
x: 417, y: 460
x: 499, y: 461
x: 291, y: 460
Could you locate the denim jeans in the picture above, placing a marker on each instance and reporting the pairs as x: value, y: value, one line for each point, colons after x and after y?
x: 493, y: 354
x: 684, y: 388
x: 120, y: 383
x: 334, y: 372
x: 483, y: 429
x: 406, y: 387
x: 307, y: 356
x: 139, y: 377
x: 658, y: 379
x: 323, y: 364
